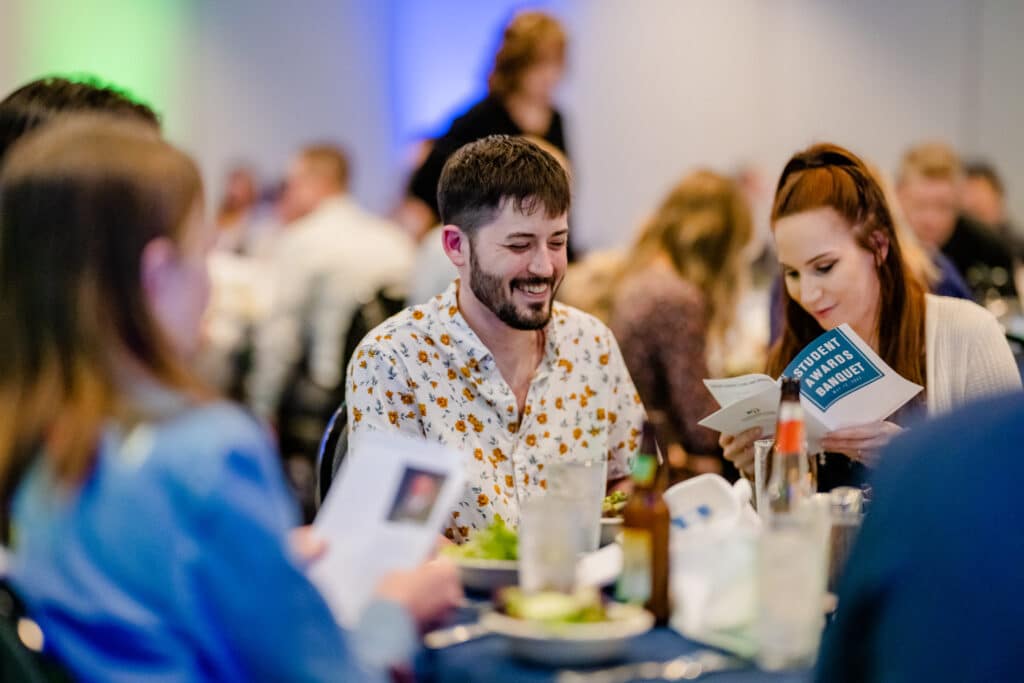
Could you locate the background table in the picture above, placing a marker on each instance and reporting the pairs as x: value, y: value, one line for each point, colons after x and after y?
x: 488, y: 659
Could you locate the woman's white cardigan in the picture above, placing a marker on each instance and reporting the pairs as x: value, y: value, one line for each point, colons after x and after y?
x: 968, y: 356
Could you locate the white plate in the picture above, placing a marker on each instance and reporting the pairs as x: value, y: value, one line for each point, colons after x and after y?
x: 487, y: 576
x: 564, y: 645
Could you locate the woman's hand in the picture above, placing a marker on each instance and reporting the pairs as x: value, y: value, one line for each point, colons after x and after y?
x: 739, y: 448
x: 426, y: 592
x: 861, y: 443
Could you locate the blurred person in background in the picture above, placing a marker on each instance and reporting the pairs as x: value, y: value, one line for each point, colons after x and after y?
x: 928, y: 185
x: 528, y: 67
x: 931, y: 591
x: 152, y: 534
x: 983, y: 198
x: 673, y: 306
x: 332, y: 257
x: 245, y: 222
x: 41, y: 100
x: 842, y: 262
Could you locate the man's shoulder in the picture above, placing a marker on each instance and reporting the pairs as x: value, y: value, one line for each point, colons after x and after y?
x: 410, y: 326
x: 573, y: 323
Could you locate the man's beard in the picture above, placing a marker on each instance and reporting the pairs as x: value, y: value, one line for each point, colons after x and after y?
x: 493, y: 293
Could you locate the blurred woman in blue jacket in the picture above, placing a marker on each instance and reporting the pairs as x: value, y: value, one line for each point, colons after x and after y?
x: 149, y: 522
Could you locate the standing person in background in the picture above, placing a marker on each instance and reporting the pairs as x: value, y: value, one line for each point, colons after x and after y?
x: 528, y: 66
x: 673, y: 303
x: 150, y: 523
x: 842, y: 263
x: 333, y: 257
x: 928, y: 186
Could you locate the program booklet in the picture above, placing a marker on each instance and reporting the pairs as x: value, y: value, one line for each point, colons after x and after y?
x: 843, y: 383
x: 384, y: 511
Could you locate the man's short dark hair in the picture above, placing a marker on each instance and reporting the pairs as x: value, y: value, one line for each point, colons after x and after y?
x: 479, y: 177
x: 36, y: 103
x: 986, y: 172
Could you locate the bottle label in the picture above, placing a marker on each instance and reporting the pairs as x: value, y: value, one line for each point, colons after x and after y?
x: 634, y: 584
x: 644, y: 468
x: 790, y: 436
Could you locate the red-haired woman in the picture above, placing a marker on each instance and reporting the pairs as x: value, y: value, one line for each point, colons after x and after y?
x: 842, y: 263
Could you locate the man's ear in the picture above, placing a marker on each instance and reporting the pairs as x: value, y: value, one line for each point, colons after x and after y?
x: 456, y: 245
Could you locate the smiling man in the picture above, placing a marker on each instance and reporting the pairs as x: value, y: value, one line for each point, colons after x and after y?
x: 493, y: 367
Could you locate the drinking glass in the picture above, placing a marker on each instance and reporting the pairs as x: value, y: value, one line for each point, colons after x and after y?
x: 763, y: 449
x: 549, y: 543
x: 791, y: 590
x: 583, y: 482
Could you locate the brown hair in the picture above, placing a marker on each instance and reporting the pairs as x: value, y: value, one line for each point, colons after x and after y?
x: 702, y: 226
x: 827, y: 175
x: 79, y: 201
x: 528, y: 38
x: 931, y: 160
x: 330, y: 162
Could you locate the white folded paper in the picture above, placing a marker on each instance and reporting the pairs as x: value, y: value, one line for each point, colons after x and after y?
x: 384, y: 512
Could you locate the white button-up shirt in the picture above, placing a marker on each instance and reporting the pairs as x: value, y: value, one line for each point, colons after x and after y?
x: 426, y: 373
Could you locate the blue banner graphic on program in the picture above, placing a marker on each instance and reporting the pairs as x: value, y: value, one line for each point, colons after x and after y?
x: 830, y: 368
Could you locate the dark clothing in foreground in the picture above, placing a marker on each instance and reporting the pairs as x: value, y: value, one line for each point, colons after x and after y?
x: 933, y: 589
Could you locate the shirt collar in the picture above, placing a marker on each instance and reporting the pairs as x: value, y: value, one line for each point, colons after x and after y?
x: 447, y: 308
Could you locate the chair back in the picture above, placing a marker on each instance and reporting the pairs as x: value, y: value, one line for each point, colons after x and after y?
x: 332, y: 450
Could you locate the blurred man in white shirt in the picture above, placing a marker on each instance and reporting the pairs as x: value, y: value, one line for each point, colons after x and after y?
x: 333, y: 257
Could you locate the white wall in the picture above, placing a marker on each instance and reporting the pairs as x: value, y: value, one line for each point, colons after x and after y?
x: 655, y: 86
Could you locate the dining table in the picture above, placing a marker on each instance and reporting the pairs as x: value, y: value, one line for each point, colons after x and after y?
x: 488, y: 658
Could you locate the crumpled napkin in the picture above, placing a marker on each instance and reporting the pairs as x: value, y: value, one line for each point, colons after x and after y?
x: 713, y: 562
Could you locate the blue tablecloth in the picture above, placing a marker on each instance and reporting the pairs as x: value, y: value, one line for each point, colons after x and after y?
x: 487, y: 659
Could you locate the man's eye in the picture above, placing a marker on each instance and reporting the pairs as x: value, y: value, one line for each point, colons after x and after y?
x: 518, y: 247
x: 557, y: 244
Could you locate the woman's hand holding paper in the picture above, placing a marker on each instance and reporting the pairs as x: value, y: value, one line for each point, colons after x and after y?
x: 739, y: 448
x: 861, y: 443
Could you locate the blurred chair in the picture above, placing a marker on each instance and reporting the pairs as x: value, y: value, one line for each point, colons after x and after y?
x: 332, y: 451
x: 21, y: 642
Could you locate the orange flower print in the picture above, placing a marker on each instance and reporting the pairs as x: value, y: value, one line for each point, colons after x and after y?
x: 583, y: 401
x: 460, y: 426
x: 482, y: 499
x: 362, y: 364
x: 417, y: 314
x: 513, y: 427
x: 577, y: 433
x: 449, y: 534
x: 531, y: 440
x: 468, y: 394
x: 590, y: 392
x: 473, y: 363
x: 408, y: 399
x: 478, y: 426
x: 429, y: 341
x: 600, y: 414
x: 423, y: 409
x: 497, y: 490
x: 594, y: 431
x: 442, y: 401
x: 585, y: 444
x: 501, y: 457
x: 451, y: 374
x: 452, y: 310
x: 612, y: 417
x: 542, y: 418
x: 423, y: 358
x: 540, y: 467
x: 446, y: 340
x: 603, y: 359
x: 567, y: 364
x: 544, y: 484
x: 455, y: 515
x: 464, y: 531
x: 390, y: 394
x: 559, y: 403
x: 526, y: 479
x: 393, y: 417
x: 357, y: 414
x: 562, y: 449
x: 465, y: 371
x: 478, y: 453
x: 509, y: 481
